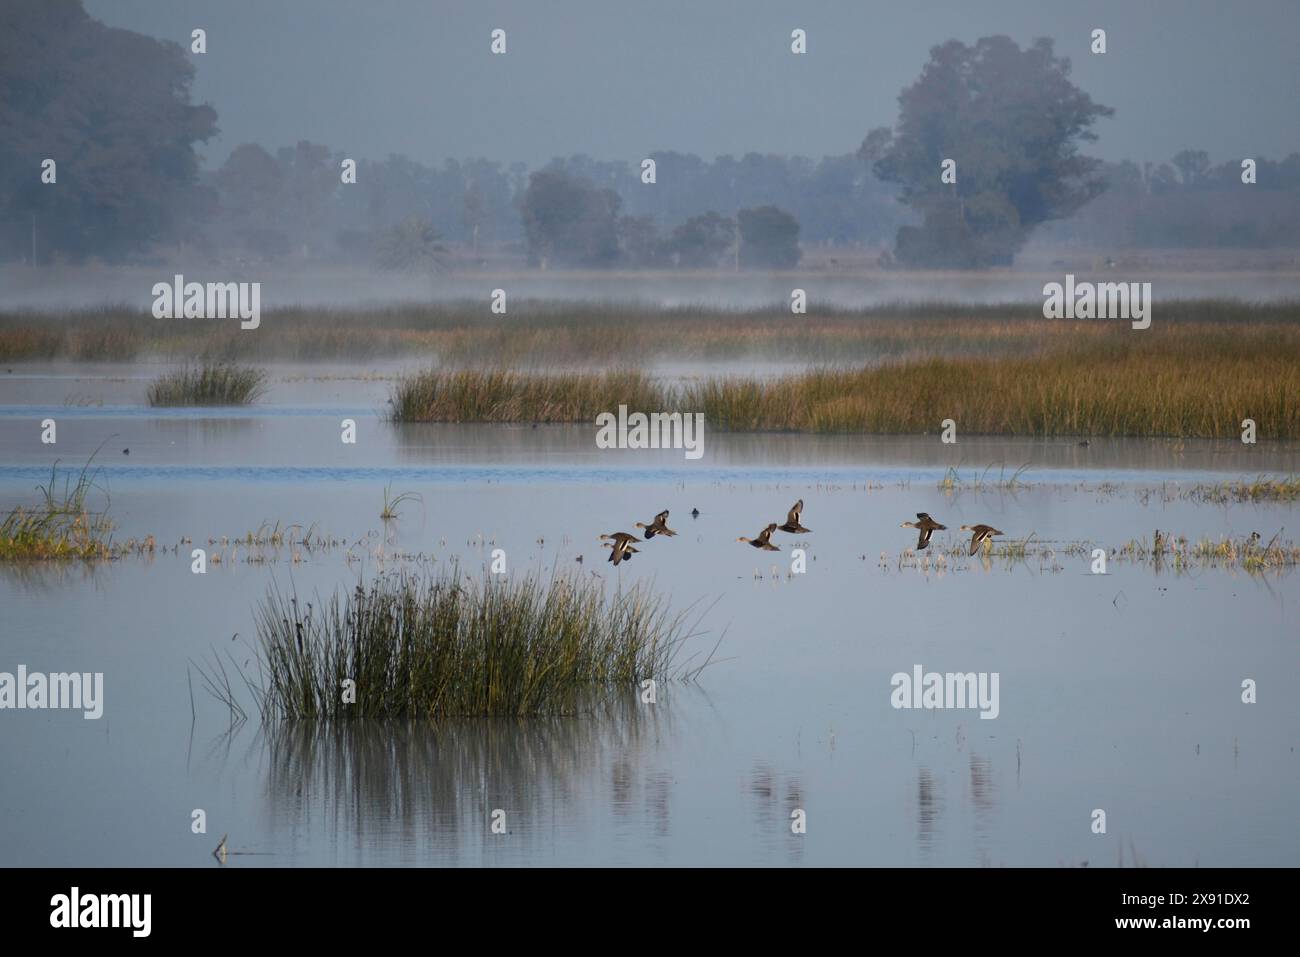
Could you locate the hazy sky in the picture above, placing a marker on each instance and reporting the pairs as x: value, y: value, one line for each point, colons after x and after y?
x: 616, y: 79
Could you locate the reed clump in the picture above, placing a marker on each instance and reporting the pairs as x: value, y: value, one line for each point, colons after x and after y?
x: 503, y: 395
x: 446, y: 645
x: 60, y: 526
x: 213, y: 383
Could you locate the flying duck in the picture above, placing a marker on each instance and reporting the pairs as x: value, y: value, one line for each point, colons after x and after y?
x: 982, y: 533
x: 658, y: 527
x: 620, y: 546
x: 792, y: 519
x: 926, y: 526
x: 763, y: 540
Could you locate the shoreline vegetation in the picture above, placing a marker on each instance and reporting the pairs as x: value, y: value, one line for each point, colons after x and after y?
x: 555, y: 332
x: 1201, y: 369
x: 444, y: 645
x: 1197, y: 389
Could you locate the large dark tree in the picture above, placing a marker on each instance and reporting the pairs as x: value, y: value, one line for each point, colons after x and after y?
x: 769, y: 238
x: 112, y: 108
x: 1013, y: 122
x: 639, y: 242
x: 702, y: 241
x: 569, y: 221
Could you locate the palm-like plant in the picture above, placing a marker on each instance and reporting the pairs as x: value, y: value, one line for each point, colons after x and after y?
x: 413, y: 245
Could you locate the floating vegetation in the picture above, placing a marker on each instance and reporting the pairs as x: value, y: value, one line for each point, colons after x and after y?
x: 391, y: 502
x: 1251, y: 553
x: 268, y: 543
x: 1163, y: 552
x: 953, y: 482
x: 1259, y: 490
x: 445, y: 645
x: 213, y: 383
x: 62, y: 525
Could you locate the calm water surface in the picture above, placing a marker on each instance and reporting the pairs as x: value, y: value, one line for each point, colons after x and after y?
x: 1120, y: 692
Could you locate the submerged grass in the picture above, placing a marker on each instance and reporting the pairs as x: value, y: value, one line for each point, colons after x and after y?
x: 61, y: 526
x: 1251, y: 553
x: 1164, y: 551
x: 1261, y: 489
x: 434, y: 646
x: 391, y: 502
x: 953, y: 482
x: 213, y: 383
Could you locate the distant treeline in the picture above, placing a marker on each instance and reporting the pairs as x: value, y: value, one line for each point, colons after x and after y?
x: 1190, y: 203
x: 292, y: 205
x: 576, y: 211
x: 99, y: 159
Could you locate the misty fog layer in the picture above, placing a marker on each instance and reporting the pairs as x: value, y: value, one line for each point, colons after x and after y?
x: 158, y: 141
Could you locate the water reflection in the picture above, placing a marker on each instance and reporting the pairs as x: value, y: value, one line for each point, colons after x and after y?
x: 261, y: 435
x: 775, y: 799
x: 51, y: 577
x: 627, y: 785
x: 428, y: 791
x: 929, y: 808
x: 983, y: 797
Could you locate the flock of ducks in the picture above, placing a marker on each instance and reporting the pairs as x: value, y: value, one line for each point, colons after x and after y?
x: 792, y: 525
x: 622, y: 545
x: 926, y: 526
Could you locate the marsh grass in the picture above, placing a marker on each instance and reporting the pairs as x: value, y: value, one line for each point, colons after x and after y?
x: 213, y: 383
x: 1164, y: 389
x: 61, y: 526
x: 503, y: 395
x: 624, y: 333
x: 1177, y: 386
x: 447, y: 645
x: 1202, y: 367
